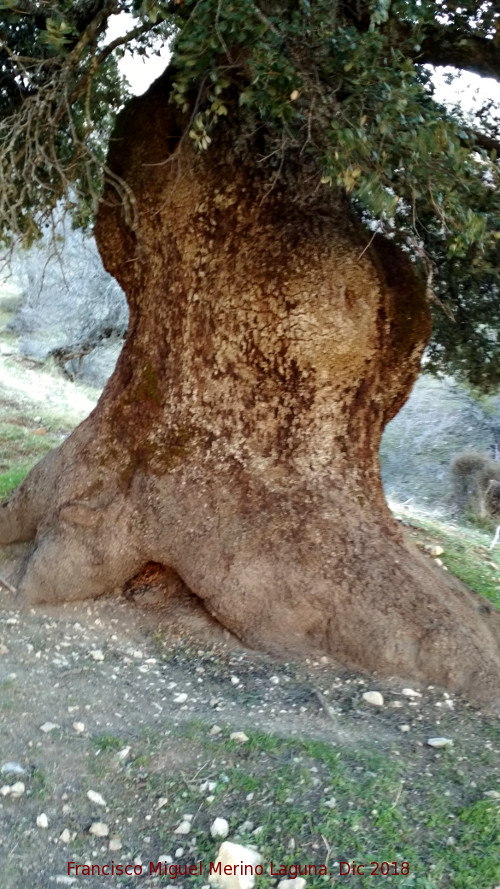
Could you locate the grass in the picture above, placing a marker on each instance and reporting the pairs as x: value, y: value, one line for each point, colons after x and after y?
x: 310, y: 805
x: 465, y: 554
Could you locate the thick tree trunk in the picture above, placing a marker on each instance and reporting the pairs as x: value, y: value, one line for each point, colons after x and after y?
x: 237, y: 441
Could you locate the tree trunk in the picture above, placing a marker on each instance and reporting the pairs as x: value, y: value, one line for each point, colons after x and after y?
x: 237, y: 441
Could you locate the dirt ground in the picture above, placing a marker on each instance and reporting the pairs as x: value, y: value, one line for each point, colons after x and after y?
x: 116, y: 699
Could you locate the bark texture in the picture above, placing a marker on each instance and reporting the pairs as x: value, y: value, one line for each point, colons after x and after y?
x: 236, y: 444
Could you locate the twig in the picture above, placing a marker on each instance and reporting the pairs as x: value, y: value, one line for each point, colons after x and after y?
x: 400, y: 790
x: 8, y: 586
x: 495, y: 539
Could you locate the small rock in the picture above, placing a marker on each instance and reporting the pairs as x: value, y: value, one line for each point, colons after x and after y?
x: 64, y: 880
x: 232, y: 856
x: 17, y: 789
x: 183, y: 828
x: 96, y: 798
x: 274, y: 680
x: 404, y: 728
x: 79, y: 727
x: 42, y: 821
x: 65, y: 836
x: 435, y: 551
x: 439, y: 742
x: 451, y: 841
x: 179, y: 852
x: 411, y: 693
x: 215, y: 730
x: 239, y: 736
x: 115, y: 844
x: 122, y: 754
x: 48, y: 727
x: 99, y: 829
x: 374, y: 698
x: 493, y: 794
x: 180, y: 698
x: 165, y: 859
x: 235, y: 680
x: 3, y: 649
x: 219, y: 829
x: 12, y: 768
x: 331, y: 803
x: 162, y: 802
x: 97, y: 654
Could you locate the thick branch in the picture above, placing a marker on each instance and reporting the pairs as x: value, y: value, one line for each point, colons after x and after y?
x: 445, y: 45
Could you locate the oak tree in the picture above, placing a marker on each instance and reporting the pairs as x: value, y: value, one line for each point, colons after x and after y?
x: 283, y: 208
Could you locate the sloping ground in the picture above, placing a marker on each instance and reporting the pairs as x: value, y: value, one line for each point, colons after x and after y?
x: 439, y: 421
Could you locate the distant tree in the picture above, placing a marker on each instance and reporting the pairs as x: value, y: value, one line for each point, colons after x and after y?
x: 280, y: 208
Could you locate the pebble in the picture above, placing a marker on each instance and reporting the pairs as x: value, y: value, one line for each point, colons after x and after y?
x: 183, y: 828
x: 180, y: 698
x: 96, y: 798
x: 179, y: 852
x: 235, y: 680
x: 79, y: 727
x: 404, y: 728
x: 439, y: 742
x: 122, y: 754
x: 239, y: 736
x: 48, y: 727
x: 15, y: 790
x: 99, y: 829
x: 12, y: 768
x: 493, y: 794
x: 331, y: 803
x: 162, y: 802
x: 297, y: 883
x: 97, y: 654
x: 411, y: 693
x: 215, y: 730
x: 64, y: 880
x: 115, y: 844
x: 165, y: 859
x: 374, y: 698
x: 42, y: 821
x: 65, y: 836
x: 219, y: 829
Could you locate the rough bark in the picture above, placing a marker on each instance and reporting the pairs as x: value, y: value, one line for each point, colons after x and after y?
x: 236, y: 444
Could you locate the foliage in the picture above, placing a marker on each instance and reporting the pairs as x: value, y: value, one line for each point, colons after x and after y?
x: 340, y: 91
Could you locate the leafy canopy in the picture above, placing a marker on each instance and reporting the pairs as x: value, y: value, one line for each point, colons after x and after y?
x: 344, y: 86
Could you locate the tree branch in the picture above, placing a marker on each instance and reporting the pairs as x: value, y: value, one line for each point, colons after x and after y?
x: 445, y: 45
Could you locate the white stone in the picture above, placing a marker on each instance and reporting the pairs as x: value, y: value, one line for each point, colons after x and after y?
x: 404, y: 728
x: 374, y: 698
x: 179, y: 852
x: 236, y: 857
x: 115, y: 844
x: 180, y: 698
x: 97, y: 654
x: 297, y: 883
x: 215, y: 730
x: 99, y: 829
x: 162, y: 802
x: 493, y: 794
x: 96, y: 798
x: 79, y: 727
x: 411, y: 693
x: 235, y: 680
x: 183, y: 828
x: 12, y: 768
x: 219, y: 829
x: 239, y: 736
x: 439, y: 742
x: 42, y: 821
x: 64, y: 880
x: 17, y: 789
x: 122, y: 754
x: 331, y: 803
x: 165, y: 859
x: 48, y: 727
x: 65, y: 836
